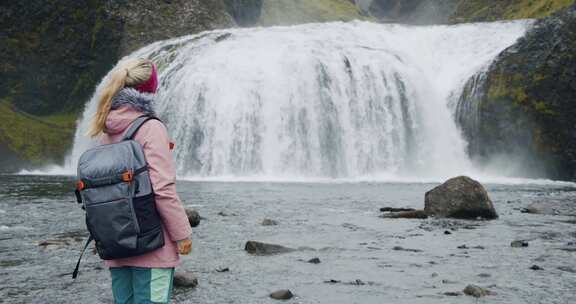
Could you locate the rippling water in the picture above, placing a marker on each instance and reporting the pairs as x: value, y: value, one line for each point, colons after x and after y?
x: 336, y: 222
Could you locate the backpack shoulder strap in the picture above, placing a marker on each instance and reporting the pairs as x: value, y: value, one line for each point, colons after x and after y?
x: 136, y: 124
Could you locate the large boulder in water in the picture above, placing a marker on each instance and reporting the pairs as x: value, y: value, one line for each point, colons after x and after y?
x: 460, y: 197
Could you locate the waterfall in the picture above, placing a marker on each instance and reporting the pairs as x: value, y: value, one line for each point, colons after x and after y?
x: 333, y: 100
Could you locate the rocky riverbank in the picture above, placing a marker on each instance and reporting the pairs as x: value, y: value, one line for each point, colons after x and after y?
x: 340, y: 250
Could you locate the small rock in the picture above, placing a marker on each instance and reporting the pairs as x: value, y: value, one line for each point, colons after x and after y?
x: 453, y: 293
x: 519, y: 244
x: 434, y: 275
x: 269, y: 222
x: 357, y: 282
x: 193, y: 217
x: 447, y: 232
x: 536, y: 267
x: 399, y: 248
x: 259, y: 248
x: 226, y: 269
x: 283, y: 294
x: 414, y: 214
x: 332, y: 281
x: 462, y: 247
x: 185, y: 280
x: 391, y: 209
x: 314, y: 261
x: 476, y: 291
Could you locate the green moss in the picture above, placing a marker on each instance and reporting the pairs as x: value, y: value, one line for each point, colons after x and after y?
x: 38, y: 140
x: 277, y: 12
x: 482, y: 10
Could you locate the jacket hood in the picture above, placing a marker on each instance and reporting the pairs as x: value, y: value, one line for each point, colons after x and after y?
x: 127, y: 105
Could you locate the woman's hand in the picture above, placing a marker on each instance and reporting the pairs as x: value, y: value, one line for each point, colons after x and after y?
x: 185, y: 246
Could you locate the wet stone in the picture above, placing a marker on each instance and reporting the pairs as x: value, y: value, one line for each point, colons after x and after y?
x: 519, y: 244
x: 452, y: 293
x: 391, y: 209
x: 536, y: 267
x: 284, y: 294
x: 193, y: 217
x: 399, y: 248
x: 414, y: 214
x: 259, y: 248
x: 314, y: 261
x: 476, y: 291
x: 185, y: 280
x: 269, y: 222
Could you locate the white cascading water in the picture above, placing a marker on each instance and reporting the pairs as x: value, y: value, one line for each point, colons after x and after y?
x: 352, y: 100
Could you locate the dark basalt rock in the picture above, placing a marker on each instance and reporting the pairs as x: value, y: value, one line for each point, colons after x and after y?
x: 193, y: 217
x: 392, y: 209
x: 400, y: 248
x: 185, y: 280
x: 525, y: 102
x: 416, y: 214
x: 460, y: 197
x: 258, y: 248
x: 519, y: 244
x: 536, y: 267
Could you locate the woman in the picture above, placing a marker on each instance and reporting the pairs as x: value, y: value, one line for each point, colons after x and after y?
x: 128, y: 95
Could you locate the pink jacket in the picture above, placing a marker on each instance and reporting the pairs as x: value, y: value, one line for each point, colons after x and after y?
x: 153, y: 137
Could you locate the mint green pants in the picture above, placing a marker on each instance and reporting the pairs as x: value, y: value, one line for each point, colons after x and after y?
x: 135, y: 285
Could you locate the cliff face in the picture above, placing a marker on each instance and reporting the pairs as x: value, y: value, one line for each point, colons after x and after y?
x: 483, y: 10
x: 527, y: 101
x: 54, y: 52
x: 457, y: 11
x: 289, y: 12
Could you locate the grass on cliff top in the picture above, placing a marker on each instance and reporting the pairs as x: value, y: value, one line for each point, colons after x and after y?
x: 35, y: 139
x: 275, y: 12
x: 482, y: 10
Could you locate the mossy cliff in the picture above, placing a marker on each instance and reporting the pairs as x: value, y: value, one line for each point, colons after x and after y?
x: 527, y: 103
x: 31, y: 140
x: 458, y: 11
x: 483, y: 10
x: 281, y: 12
x: 54, y: 52
x: 289, y: 12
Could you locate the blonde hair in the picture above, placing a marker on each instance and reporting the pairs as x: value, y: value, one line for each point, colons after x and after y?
x: 128, y: 74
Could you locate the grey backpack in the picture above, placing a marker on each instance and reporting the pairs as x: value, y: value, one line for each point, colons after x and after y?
x: 114, y: 189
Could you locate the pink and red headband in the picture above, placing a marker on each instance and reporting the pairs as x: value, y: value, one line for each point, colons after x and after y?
x: 151, y: 85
